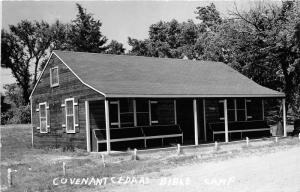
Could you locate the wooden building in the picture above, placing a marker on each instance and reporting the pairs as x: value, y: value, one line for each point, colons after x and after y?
x: 102, y: 102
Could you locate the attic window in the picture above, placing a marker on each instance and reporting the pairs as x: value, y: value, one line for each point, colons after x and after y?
x: 54, y: 81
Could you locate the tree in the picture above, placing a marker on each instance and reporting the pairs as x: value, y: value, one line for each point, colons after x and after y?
x: 209, y: 16
x: 25, y: 44
x: 114, y: 47
x: 85, y: 34
x: 264, y: 40
x: 167, y: 39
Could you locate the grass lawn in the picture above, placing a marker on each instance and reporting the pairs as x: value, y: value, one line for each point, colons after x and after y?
x: 36, y: 168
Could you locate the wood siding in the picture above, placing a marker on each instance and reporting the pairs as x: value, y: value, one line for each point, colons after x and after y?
x: 69, y: 87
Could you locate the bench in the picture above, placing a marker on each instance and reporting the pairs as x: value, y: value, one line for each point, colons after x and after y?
x: 161, y: 132
x: 138, y: 133
x: 238, y: 127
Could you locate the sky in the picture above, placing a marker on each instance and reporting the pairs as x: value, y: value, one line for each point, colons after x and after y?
x: 120, y: 19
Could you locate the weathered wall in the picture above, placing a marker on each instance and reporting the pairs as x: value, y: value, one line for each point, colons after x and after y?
x: 69, y: 86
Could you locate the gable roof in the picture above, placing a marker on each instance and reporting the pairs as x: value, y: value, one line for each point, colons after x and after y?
x: 137, y: 76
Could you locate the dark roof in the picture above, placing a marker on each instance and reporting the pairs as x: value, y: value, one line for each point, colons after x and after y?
x: 137, y: 76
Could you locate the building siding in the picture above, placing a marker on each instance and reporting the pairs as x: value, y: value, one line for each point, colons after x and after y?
x: 69, y: 87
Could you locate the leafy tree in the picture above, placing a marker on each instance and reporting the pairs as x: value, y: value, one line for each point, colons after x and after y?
x: 167, y: 39
x: 85, y: 34
x: 25, y: 44
x: 114, y: 47
x: 209, y: 16
x: 264, y: 40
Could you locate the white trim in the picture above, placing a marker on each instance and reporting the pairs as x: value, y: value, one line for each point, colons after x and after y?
x: 66, y: 114
x: 31, y: 121
x: 263, y: 109
x: 284, y: 118
x: 38, y: 80
x: 69, y: 69
x: 118, y: 113
x: 175, y: 112
x: 204, y: 119
x: 149, y: 109
x: 189, y: 96
x: 46, y: 116
x: 87, y: 126
x: 226, y: 121
x: 235, y: 110
x: 246, y: 112
x: 106, y: 105
x: 150, y: 116
x: 55, y: 84
x: 195, y: 121
x: 134, y: 113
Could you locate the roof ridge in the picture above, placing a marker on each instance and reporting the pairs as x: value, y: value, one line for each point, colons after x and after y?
x: 141, y: 56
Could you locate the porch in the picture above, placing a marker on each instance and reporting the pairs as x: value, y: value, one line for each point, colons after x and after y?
x: 122, y: 123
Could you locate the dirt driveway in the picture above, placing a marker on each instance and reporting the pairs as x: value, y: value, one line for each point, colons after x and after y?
x: 273, y: 172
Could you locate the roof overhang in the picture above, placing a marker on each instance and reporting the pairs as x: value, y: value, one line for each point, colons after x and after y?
x: 193, y: 96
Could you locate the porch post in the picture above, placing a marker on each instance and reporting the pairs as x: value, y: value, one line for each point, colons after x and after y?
x: 175, y: 112
x: 226, y: 120
x: 195, y: 121
x: 263, y: 108
x: 134, y: 113
x: 284, y: 117
x: 204, y: 120
x: 87, y: 126
x: 107, y: 126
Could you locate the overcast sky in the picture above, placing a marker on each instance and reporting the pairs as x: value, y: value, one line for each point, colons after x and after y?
x: 120, y: 19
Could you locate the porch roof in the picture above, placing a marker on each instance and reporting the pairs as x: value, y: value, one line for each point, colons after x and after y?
x: 137, y: 76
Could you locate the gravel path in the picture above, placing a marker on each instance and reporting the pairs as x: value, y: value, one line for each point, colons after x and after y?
x: 273, y: 172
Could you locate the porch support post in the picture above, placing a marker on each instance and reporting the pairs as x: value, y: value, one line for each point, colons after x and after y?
x: 195, y: 121
x: 263, y: 109
x: 175, y: 112
x: 134, y: 113
x: 284, y: 117
x: 107, y: 126
x: 204, y: 120
x: 226, y: 121
x: 87, y: 126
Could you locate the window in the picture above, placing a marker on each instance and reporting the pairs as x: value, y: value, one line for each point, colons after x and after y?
x: 114, y: 113
x: 240, y: 109
x: 221, y: 109
x: 126, y: 113
x: 142, y: 112
x: 43, y: 117
x: 54, y: 81
x: 70, y: 119
x: 235, y: 109
x: 153, y: 111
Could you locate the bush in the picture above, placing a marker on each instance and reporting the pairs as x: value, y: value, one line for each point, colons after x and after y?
x: 18, y: 115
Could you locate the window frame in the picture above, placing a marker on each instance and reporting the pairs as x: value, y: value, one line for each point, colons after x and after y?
x: 51, y: 76
x: 150, y: 112
x: 119, y: 119
x: 46, y: 116
x: 66, y: 115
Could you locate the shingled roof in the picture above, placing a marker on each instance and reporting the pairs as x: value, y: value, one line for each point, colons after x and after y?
x: 137, y: 76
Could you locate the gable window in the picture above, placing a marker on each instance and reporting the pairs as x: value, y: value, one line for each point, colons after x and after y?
x: 153, y: 112
x: 54, y: 80
x: 70, y: 118
x: 44, y: 117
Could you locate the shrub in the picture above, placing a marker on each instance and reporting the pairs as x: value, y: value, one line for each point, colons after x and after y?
x: 22, y: 114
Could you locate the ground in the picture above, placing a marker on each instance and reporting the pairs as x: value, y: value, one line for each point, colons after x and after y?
x: 264, y: 165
